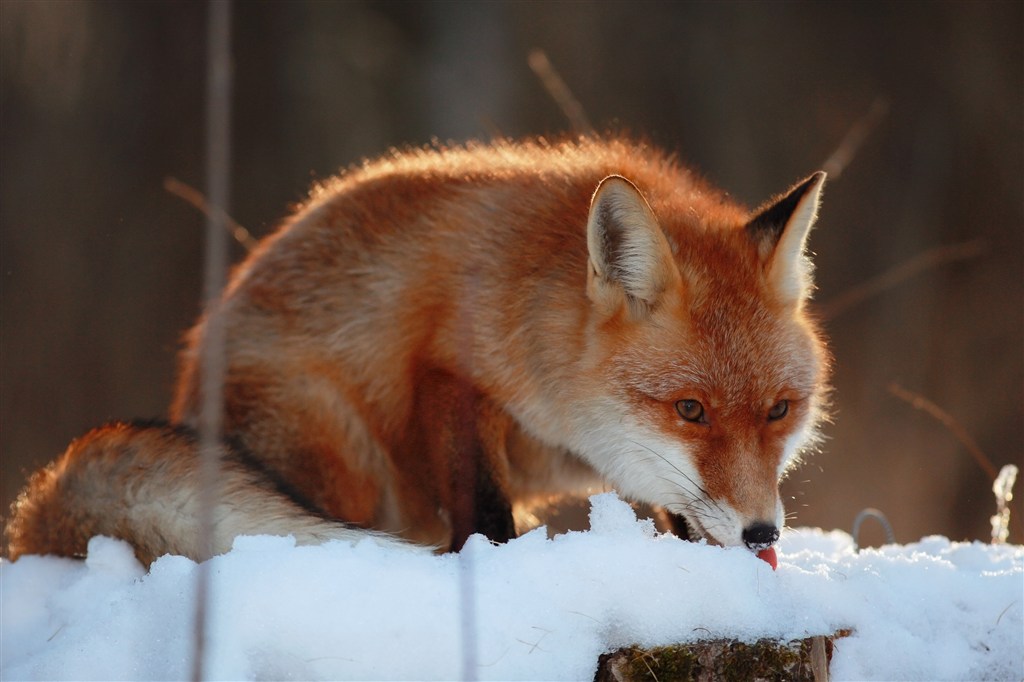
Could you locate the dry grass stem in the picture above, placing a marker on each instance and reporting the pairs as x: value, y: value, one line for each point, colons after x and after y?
x: 930, y: 259
x: 855, y: 137
x: 210, y: 427
x: 559, y: 91
x: 195, y: 197
x: 918, y: 401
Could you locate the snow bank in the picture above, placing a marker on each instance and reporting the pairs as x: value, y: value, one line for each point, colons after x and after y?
x: 535, y: 608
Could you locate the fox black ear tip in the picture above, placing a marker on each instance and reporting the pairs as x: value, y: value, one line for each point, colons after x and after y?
x: 814, y: 181
x: 817, y: 178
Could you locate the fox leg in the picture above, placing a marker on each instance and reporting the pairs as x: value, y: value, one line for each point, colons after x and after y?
x: 479, y: 474
x: 677, y: 524
x: 463, y: 436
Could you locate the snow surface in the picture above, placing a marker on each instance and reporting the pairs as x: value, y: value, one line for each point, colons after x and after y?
x: 532, y: 609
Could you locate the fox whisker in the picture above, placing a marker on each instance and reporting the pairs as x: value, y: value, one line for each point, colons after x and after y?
x: 704, y: 493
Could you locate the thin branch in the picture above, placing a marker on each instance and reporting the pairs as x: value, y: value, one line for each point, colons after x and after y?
x: 854, y: 140
x: 918, y: 401
x: 928, y: 260
x: 195, y: 197
x: 559, y: 91
x: 212, y: 362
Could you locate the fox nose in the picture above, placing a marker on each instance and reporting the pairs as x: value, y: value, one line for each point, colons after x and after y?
x: 758, y: 536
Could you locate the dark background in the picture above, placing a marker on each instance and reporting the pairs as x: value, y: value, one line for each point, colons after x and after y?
x: 101, y: 267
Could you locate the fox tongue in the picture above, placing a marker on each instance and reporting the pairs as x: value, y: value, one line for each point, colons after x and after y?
x: 769, y: 556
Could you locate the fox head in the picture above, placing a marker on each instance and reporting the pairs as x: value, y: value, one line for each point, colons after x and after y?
x: 712, y: 376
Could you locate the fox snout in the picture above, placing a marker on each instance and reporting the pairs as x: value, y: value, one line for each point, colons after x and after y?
x: 760, y: 535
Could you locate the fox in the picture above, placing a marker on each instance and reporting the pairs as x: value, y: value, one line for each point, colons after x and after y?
x: 439, y: 338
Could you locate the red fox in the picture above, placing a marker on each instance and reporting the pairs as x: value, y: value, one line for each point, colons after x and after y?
x: 440, y: 336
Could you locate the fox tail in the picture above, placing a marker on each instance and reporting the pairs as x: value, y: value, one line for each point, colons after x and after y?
x: 141, y: 482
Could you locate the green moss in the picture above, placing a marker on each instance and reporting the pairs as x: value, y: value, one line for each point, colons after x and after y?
x: 726, y: 660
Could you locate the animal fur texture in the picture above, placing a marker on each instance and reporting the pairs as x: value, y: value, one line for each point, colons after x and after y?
x: 441, y: 335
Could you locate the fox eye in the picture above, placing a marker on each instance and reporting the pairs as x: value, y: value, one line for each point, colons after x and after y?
x: 690, y: 410
x: 778, y: 411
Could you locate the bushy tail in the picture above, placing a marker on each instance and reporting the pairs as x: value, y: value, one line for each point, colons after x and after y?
x: 140, y: 483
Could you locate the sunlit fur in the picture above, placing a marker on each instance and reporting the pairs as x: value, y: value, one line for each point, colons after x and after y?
x: 442, y: 334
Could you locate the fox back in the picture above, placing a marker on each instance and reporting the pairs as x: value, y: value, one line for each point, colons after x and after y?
x: 440, y: 335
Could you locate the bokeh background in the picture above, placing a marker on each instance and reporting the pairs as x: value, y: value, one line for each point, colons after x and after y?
x: 101, y: 267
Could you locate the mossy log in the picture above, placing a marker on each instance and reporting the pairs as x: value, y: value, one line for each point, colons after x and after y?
x: 717, y: 660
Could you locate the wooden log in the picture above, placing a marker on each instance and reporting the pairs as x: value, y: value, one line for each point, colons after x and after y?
x: 798, y: 660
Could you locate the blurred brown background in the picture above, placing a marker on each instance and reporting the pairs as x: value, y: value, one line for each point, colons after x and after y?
x: 101, y: 267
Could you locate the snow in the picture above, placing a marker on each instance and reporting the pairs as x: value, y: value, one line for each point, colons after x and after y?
x: 534, y: 608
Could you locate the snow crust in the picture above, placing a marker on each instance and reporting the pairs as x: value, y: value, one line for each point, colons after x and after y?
x: 532, y: 609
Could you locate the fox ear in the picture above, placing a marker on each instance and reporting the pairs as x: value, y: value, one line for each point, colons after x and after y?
x: 779, y: 231
x: 630, y: 259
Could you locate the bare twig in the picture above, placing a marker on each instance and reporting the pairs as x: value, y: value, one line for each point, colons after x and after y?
x: 559, y: 91
x: 196, y: 198
x: 959, y: 432
x: 877, y: 515
x: 919, y: 402
x: 218, y: 154
x: 854, y: 140
x: 930, y: 259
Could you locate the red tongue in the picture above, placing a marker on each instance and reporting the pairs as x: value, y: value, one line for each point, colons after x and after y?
x: 769, y: 556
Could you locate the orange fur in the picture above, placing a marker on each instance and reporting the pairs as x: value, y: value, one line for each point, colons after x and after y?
x: 441, y: 334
